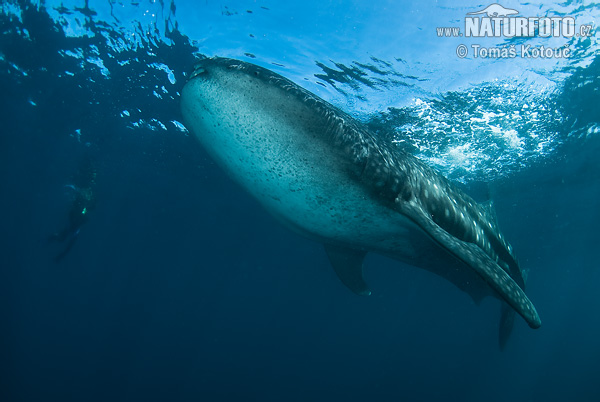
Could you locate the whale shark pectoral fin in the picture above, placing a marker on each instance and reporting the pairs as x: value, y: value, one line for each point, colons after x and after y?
x: 498, y: 280
x: 347, y: 263
x: 480, y: 262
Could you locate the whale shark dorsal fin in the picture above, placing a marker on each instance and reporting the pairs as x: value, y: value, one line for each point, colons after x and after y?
x: 490, y: 211
x: 348, y: 265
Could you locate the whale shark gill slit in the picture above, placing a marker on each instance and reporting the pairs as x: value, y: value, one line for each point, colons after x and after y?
x: 326, y: 176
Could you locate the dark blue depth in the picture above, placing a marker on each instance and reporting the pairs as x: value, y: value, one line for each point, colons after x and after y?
x: 177, y: 286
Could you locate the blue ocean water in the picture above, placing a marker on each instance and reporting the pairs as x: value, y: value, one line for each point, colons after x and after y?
x: 177, y: 286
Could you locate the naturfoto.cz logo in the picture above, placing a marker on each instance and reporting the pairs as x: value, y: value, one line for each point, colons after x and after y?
x: 498, y: 21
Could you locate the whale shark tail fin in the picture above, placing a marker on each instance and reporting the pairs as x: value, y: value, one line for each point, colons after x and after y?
x: 507, y: 320
x: 348, y: 265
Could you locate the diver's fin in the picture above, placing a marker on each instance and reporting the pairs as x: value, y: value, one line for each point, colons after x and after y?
x: 507, y: 320
x: 347, y: 264
x: 478, y: 260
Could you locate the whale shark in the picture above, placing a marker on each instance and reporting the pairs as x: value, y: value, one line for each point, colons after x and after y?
x: 324, y: 175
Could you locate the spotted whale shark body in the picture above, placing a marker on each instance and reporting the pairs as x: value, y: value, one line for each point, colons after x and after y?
x: 323, y: 174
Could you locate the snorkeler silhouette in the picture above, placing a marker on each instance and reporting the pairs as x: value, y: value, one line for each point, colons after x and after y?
x: 83, y: 203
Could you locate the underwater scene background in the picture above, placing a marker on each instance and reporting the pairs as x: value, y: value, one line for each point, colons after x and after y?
x: 173, y: 284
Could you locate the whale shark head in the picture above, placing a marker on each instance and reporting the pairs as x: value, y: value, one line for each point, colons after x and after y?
x: 224, y: 92
x: 221, y: 80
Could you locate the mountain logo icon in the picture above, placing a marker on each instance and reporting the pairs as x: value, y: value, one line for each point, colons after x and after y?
x: 495, y: 10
